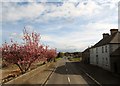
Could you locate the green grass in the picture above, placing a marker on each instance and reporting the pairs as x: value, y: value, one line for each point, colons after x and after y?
x: 58, y: 58
x: 74, y: 59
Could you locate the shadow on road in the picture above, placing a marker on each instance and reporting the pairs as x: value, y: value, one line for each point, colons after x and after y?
x: 71, y: 67
x: 99, y: 74
x: 73, y: 70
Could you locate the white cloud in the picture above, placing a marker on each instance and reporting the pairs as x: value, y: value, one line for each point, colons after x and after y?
x: 13, y: 34
x: 46, y: 38
x: 68, y: 9
x: 104, y: 17
x: 13, y: 12
x: 17, y: 0
x: 29, y: 28
x: 78, y: 39
x: 32, y: 11
x: 16, y: 36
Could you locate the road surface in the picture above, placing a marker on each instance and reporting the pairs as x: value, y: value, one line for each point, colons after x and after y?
x: 65, y: 73
x: 68, y: 74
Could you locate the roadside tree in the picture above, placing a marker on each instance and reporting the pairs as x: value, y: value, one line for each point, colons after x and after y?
x: 23, y: 55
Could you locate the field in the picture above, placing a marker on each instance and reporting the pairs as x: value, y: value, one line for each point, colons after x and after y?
x: 74, y: 59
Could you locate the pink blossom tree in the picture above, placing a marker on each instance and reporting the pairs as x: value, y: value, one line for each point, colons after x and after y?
x: 51, y: 54
x: 23, y: 55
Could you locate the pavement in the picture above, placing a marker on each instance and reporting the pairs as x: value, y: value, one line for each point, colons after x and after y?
x: 35, y: 77
x: 102, y: 76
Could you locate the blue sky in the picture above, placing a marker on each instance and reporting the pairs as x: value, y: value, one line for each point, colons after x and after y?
x: 68, y: 25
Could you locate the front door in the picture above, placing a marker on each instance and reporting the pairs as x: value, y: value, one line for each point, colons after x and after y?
x: 115, y: 67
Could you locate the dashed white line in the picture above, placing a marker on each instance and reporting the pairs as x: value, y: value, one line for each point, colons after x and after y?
x: 68, y: 79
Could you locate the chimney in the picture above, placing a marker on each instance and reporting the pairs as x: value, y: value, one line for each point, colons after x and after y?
x: 112, y: 31
x: 105, y: 35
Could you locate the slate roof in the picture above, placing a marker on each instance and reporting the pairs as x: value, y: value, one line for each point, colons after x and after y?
x: 105, y: 40
x: 86, y: 50
x: 116, y: 52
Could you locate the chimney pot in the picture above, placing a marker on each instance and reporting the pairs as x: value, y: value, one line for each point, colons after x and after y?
x: 112, y: 31
x: 105, y: 35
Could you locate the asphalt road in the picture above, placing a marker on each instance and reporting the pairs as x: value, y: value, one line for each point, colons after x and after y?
x: 67, y: 73
x: 64, y: 73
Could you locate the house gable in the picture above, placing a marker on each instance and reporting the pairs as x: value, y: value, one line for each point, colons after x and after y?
x: 116, y: 52
x: 116, y: 38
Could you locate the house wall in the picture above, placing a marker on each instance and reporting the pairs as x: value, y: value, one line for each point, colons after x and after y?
x: 115, y: 64
x: 92, y: 56
x: 113, y: 47
x: 100, y: 57
x: 103, y: 55
x: 86, y: 57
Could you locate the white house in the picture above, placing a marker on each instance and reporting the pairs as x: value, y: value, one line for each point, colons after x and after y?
x: 101, y: 51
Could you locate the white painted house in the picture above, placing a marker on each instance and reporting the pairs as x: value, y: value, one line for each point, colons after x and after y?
x: 101, y: 51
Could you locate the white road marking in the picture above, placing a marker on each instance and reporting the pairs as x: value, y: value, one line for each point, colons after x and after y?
x: 93, y: 79
x: 44, y: 84
x: 68, y: 79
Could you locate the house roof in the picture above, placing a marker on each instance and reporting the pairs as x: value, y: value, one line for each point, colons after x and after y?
x: 105, y: 40
x: 116, y: 52
x: 86, y: 50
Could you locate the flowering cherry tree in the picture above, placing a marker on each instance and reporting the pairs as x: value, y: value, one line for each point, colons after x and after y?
x: 51, y: 54
x: 23, y: 55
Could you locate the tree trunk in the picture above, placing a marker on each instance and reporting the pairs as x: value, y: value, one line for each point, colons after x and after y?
x: 22, y: 71
x: 28, y: 67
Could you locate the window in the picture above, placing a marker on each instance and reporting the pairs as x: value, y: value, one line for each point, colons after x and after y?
x: 103, y: 61
x: 97, y: 60
x: 96, y: 55
x: 96, y: 50
x: 106, y: 61
x: 102, y: 49
x: 106, y: 48
x: 91, y: 50
x: 111, y: 49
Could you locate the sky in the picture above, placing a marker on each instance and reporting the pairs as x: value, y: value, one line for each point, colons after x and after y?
x: 68, y: 25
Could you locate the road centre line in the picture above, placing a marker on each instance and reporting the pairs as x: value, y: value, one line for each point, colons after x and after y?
x: 68, y: 79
